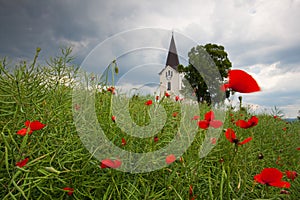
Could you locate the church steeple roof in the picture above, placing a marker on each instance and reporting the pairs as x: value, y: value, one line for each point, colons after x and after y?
x: 172, y: 59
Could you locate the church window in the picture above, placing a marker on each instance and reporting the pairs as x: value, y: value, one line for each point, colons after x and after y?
x: 169, y: 86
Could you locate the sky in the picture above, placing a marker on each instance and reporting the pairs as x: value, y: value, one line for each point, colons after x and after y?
x: 261, y: 37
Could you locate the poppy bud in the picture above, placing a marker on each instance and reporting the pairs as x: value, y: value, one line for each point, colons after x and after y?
x: 116, y: 69
x: 221, y: 160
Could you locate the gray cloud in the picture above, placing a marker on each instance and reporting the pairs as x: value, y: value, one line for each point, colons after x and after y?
x: 253, y: 32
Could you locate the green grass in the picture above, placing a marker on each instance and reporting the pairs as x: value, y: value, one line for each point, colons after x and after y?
x: 58, y: 158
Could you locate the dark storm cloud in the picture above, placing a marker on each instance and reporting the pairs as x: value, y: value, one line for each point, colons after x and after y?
x: 50, y: 25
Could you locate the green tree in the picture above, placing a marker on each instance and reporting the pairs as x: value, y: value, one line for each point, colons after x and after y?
x: 208, y: 66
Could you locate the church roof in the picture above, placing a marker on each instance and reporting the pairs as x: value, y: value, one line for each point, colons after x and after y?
x: 172, y: 59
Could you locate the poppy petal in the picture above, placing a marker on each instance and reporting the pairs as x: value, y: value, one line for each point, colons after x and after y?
x: 123, y: 141
x: 108, y: 163
x: 215, y: 123
x: 242, y: 123
x: 253, y: 121
x: 203, y: 124
x: 241, y: 81
x: 23, y: 131
x: 245, y: 141
x: 195, y: 117
x: 34, y: 125
x: 209, y: 116
x: 170, y: 158
x: 148, y: 103
x: 271, y: 175
x: 22, y: 163
x: 281, y: 184
x: 230, y: 135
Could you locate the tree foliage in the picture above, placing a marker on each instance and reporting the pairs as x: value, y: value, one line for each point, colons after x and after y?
x: 208, y: 66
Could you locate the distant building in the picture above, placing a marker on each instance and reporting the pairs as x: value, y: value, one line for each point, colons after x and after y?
x: 170, y: 78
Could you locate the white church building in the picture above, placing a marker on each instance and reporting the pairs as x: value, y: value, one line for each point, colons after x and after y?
x: 170, y: 79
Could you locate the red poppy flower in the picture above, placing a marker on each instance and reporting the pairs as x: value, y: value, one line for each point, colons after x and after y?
x: 22, y: 163
x: 284, y: 128
x: 271, y: 177
x: 148, y: 103
x: 240, y: 81
x: 24, y: 131
x: 170, y: 159
x: 69, y: 190
x: 213, y: 140
x: 196, y: 117
x: 157, y: 98
x: 284, y: 192
x: 113, y: 118
x: 111, y: 89
x: 209, y: 120
x: 108, y: 163
x: 34, y: 125
x: 191, y: 190
x: 298, y: 148
x: 231, y: 137
x: 253, y: 121
x: 175, y: 114
x: 177, y: 98
x: 123, y: 141
x: 291, y: 175
x: 181, y: 159
x: 155, y: 139
x: 76, y: 107
x: 167, y: 94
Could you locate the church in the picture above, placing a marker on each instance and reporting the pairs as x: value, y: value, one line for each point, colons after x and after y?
x: 169, y: 77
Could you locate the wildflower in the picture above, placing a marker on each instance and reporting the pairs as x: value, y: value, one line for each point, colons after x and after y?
x: 22, y: 163
x: 108, y: 163
x: 155, y: 139
x: 209, y: 120
x: 271, y: 177
x: 181, y: 159
x: 76, y: 107
x: 240, y: 81
x: 123, y: 141
x: 231, y: 137
x: 113, y: 118
x: 111, y: 89
x: 167, y: 94
x: 34, y: 125
x: 298, y: 148
x: 148, y: 103
x: 23, y: 131
x: 221, y: 160
x: 170, y: 159
x: 177, y: 98
x: 195, y: 117
x: 175, y: 114
x: 213, y: 140
x: 284, y: 192
x: 157, y: 98
x: 253, y: 121
x: 69, y: 190
x: 291, y: 175
x: 284, y: 128
x: 191, y: 190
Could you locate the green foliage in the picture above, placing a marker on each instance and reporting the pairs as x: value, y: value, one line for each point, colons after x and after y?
x: 58, y: 159
x: 201, y: 73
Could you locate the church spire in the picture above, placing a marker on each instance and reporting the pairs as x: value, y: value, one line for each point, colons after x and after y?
x: 172, y: 59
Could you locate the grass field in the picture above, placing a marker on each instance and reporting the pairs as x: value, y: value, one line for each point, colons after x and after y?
x: 60, y: 167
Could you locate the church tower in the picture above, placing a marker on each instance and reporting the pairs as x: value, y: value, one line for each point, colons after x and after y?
x: 170, y: 78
